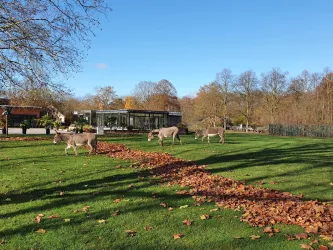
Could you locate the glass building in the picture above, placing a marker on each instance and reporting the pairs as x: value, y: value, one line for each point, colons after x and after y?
x: 123, y: 118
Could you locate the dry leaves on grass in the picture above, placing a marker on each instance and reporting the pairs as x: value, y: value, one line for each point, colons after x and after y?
x: 204, y: 217
x: 178, y: 236
x: 116, y: 213
x: 261, y: 206
x: 254, y: 237
x: 42, y: 231
x: 130, y: 233
x: 53, y: 216
x: 187, y: 222
x: 148, y: 228
x: 84, y: 209
x: 38, y: 218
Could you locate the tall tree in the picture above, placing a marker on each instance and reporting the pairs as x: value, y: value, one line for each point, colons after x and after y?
x: 273, y: 85
x: 225, y: 79
x: 40, y: 40
x: 156, y: 96
x: 246, y: 85
x: 209, y: 103
x: 325, y: 90
x: 187, y: 108
x: 165, y: 96
x: 143, y: 93
x: 105, y: 97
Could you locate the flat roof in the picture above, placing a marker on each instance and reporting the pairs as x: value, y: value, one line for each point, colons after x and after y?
x: 12, y: 106
x: 125, y: 111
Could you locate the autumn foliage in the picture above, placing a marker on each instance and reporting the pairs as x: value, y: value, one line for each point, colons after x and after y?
x: 261, y: 206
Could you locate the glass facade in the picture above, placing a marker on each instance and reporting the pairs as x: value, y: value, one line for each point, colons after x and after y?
x: 137, y: 119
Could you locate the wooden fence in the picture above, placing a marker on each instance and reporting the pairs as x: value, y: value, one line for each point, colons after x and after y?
x: 301, y: 130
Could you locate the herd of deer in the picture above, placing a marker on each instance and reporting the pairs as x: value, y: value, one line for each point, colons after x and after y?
x: 90, y: 140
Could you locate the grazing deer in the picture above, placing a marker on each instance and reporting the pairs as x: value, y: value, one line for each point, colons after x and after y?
x: 75, y: 140
x: 209, y: 132
x: 163, y: 133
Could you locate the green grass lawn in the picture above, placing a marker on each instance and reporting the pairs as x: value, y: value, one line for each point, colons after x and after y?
x: 37, y: 178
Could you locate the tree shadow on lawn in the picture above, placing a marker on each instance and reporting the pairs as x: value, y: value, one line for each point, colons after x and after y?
x: 304, y: 159
x: 41, y: 193
x: 131, y: 188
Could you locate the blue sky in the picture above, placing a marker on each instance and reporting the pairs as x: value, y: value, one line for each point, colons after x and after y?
x: 188, y: 42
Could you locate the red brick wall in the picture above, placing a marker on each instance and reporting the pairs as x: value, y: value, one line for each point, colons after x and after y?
x: 22, y: 111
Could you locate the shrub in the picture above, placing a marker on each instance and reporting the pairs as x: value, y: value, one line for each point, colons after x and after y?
x: 25, y: 124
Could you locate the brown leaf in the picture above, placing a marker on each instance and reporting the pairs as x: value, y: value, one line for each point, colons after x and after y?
x: 42, y: 231
x: 290, y: 237
x: 254, y: 237
x: 147, y: 228
x: 326, y: 237
x: 53, y: 216
x: 178, y: 236
x: 116, y: 213
x: 237, y: 237
x: 130, y: 232
x: 311, y: 229
x: 204, y: 216
x: 117, y: 200
x: 305, y: 246
x: 268, y: 230
x: 322, y: 247
x: 37, y: 219
x: 187, y: 222
x: 163, y: 204
x: 301, y: 236
x: 84, y: 209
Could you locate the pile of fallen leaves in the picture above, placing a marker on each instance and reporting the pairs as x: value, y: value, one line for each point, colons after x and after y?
x: 261, y: 206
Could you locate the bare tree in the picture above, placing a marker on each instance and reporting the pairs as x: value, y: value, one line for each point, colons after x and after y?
x: 273, y: 85
x: 325, y: 91
x: 105, y: 97
x: 246, y: 85
x: 40, y: 40
x: 225, y: 80
x: 143, y: 92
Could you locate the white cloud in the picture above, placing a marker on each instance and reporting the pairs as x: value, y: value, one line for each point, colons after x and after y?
x: 102, y: 66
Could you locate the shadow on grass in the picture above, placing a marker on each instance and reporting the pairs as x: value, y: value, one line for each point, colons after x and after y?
x: 305, y: 159
x: 127, y: 185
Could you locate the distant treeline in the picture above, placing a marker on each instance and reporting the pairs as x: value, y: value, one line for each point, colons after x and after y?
x: 301, y: 130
